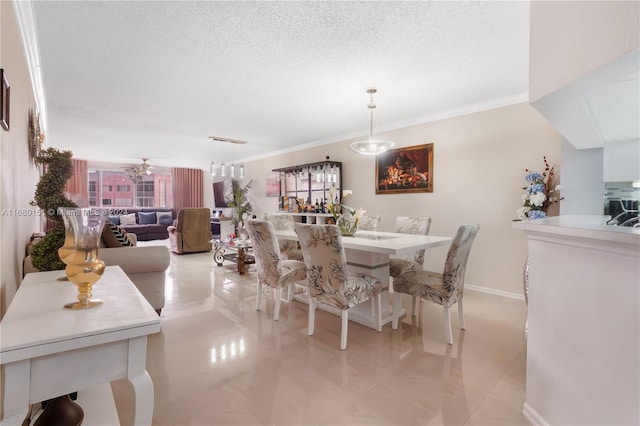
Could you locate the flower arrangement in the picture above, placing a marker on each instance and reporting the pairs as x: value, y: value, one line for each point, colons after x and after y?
x: 346, y: 226
x: 540, y: 193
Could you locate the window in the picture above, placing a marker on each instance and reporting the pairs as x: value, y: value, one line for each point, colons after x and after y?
x: 145, y: 193
x: 94, y: 182
x: 153, y: 191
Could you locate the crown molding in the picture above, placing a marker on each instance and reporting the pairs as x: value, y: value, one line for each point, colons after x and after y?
x: 26, y: 26
x: 456, y: 112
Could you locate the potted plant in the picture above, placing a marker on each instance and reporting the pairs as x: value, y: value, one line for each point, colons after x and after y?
x: 239, y: 203
x: 50, y: 196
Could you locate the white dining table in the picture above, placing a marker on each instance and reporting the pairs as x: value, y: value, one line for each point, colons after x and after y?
x: 368, y: 252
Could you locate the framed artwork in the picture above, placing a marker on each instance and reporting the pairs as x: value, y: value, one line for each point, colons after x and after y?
x: 4, y: 100
x: 273, y: 185
x: 407, y: 169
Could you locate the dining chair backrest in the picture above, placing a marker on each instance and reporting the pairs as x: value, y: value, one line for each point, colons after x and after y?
x: 266, y: 251
x: 416, y: 226
x: 369, y: 222
x: 280, y: 222
x: 456, y: 264
x: 326, y: 262
x: 283, y: 222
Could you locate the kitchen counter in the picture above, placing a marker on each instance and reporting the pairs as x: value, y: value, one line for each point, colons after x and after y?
x: 587, y: 226
x: 583, y: 342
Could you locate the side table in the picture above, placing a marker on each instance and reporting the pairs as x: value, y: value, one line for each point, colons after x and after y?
x: 238, y: 253
x: 48, y: 351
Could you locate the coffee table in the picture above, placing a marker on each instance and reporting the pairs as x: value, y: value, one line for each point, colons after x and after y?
x: 237, y: 253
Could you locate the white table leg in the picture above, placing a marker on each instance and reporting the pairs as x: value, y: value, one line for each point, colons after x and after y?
x: 17, y: 379
x: 143, y: 397
x: 141, y: 381
x: 377, y: 265
x: 370, y: 263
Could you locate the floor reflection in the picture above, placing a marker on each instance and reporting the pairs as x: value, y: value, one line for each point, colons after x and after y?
x: 219, y: 361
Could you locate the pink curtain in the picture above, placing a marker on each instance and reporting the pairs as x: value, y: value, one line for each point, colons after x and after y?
x: 187, y: 188
x: 78, y: 185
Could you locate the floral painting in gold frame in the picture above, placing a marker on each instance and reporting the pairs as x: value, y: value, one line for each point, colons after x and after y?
x: 408, y: 169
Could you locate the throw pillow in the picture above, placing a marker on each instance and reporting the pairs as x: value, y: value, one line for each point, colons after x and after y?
x: 165, y: 218
x: 128, y: 219
x: 146, y: 218
x: 114, y: 236
x: 115, y: 220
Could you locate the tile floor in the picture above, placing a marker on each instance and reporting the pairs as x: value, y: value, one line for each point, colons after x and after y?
x: 218, y: 361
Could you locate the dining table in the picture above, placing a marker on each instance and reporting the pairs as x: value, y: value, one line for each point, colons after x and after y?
x: 368, y: 252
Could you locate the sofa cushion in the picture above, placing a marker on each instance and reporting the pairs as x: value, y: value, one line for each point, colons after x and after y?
x: 114, y: 236
x: 115, y: 220
x: 165, y: 218
x: 128, y: 219
x: 147, y: 218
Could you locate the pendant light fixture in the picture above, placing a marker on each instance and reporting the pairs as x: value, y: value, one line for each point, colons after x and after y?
x: 371, y: 146
x: 232, y: 169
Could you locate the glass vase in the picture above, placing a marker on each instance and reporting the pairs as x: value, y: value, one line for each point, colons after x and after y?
x: 348, y: 226
x: 84, y: 268
x: 69, y: 246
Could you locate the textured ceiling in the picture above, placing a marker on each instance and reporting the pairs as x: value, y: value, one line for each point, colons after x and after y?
x: 126, y: 80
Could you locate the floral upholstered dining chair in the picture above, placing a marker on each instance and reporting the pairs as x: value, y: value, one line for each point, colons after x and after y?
x: 330, y: 283
x: 414, y: 260
x: 289, y: 249
x: 369, y: 222
x: 446, y: 288
x: 272, y: 269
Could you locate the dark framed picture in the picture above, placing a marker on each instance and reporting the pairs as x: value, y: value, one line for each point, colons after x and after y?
x: 407, y: 169
x: 4, y: 100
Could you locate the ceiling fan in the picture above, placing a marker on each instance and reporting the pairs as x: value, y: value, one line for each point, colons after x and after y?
x: 136, y: 173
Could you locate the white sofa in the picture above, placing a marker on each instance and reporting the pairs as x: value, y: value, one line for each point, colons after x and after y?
x: 144, y: 265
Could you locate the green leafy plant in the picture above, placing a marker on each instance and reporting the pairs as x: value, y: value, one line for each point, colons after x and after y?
x: 48, y: 198
x: 238, y: 201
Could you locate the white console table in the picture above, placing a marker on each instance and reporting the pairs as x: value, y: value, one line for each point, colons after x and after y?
x: 48, y: 351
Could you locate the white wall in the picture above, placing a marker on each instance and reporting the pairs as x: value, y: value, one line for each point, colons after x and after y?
x: 18, y: 173
x: 582, y: 183
x: 569, y: 39
x: 622, y: 161
x: 479, y: 162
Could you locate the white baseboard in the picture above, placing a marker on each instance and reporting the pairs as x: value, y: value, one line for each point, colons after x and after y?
x: 532, y: 416
x: 493, y: 291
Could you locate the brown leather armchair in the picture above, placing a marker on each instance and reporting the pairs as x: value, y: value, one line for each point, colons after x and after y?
x: 192, y: 232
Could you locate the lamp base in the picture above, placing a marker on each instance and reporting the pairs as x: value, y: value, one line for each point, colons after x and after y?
x: 61, y: 411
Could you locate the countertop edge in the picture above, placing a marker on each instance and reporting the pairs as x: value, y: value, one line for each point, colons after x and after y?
x: 582, y: 226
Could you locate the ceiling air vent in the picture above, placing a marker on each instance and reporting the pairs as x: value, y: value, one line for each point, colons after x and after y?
x: 219, y: 139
